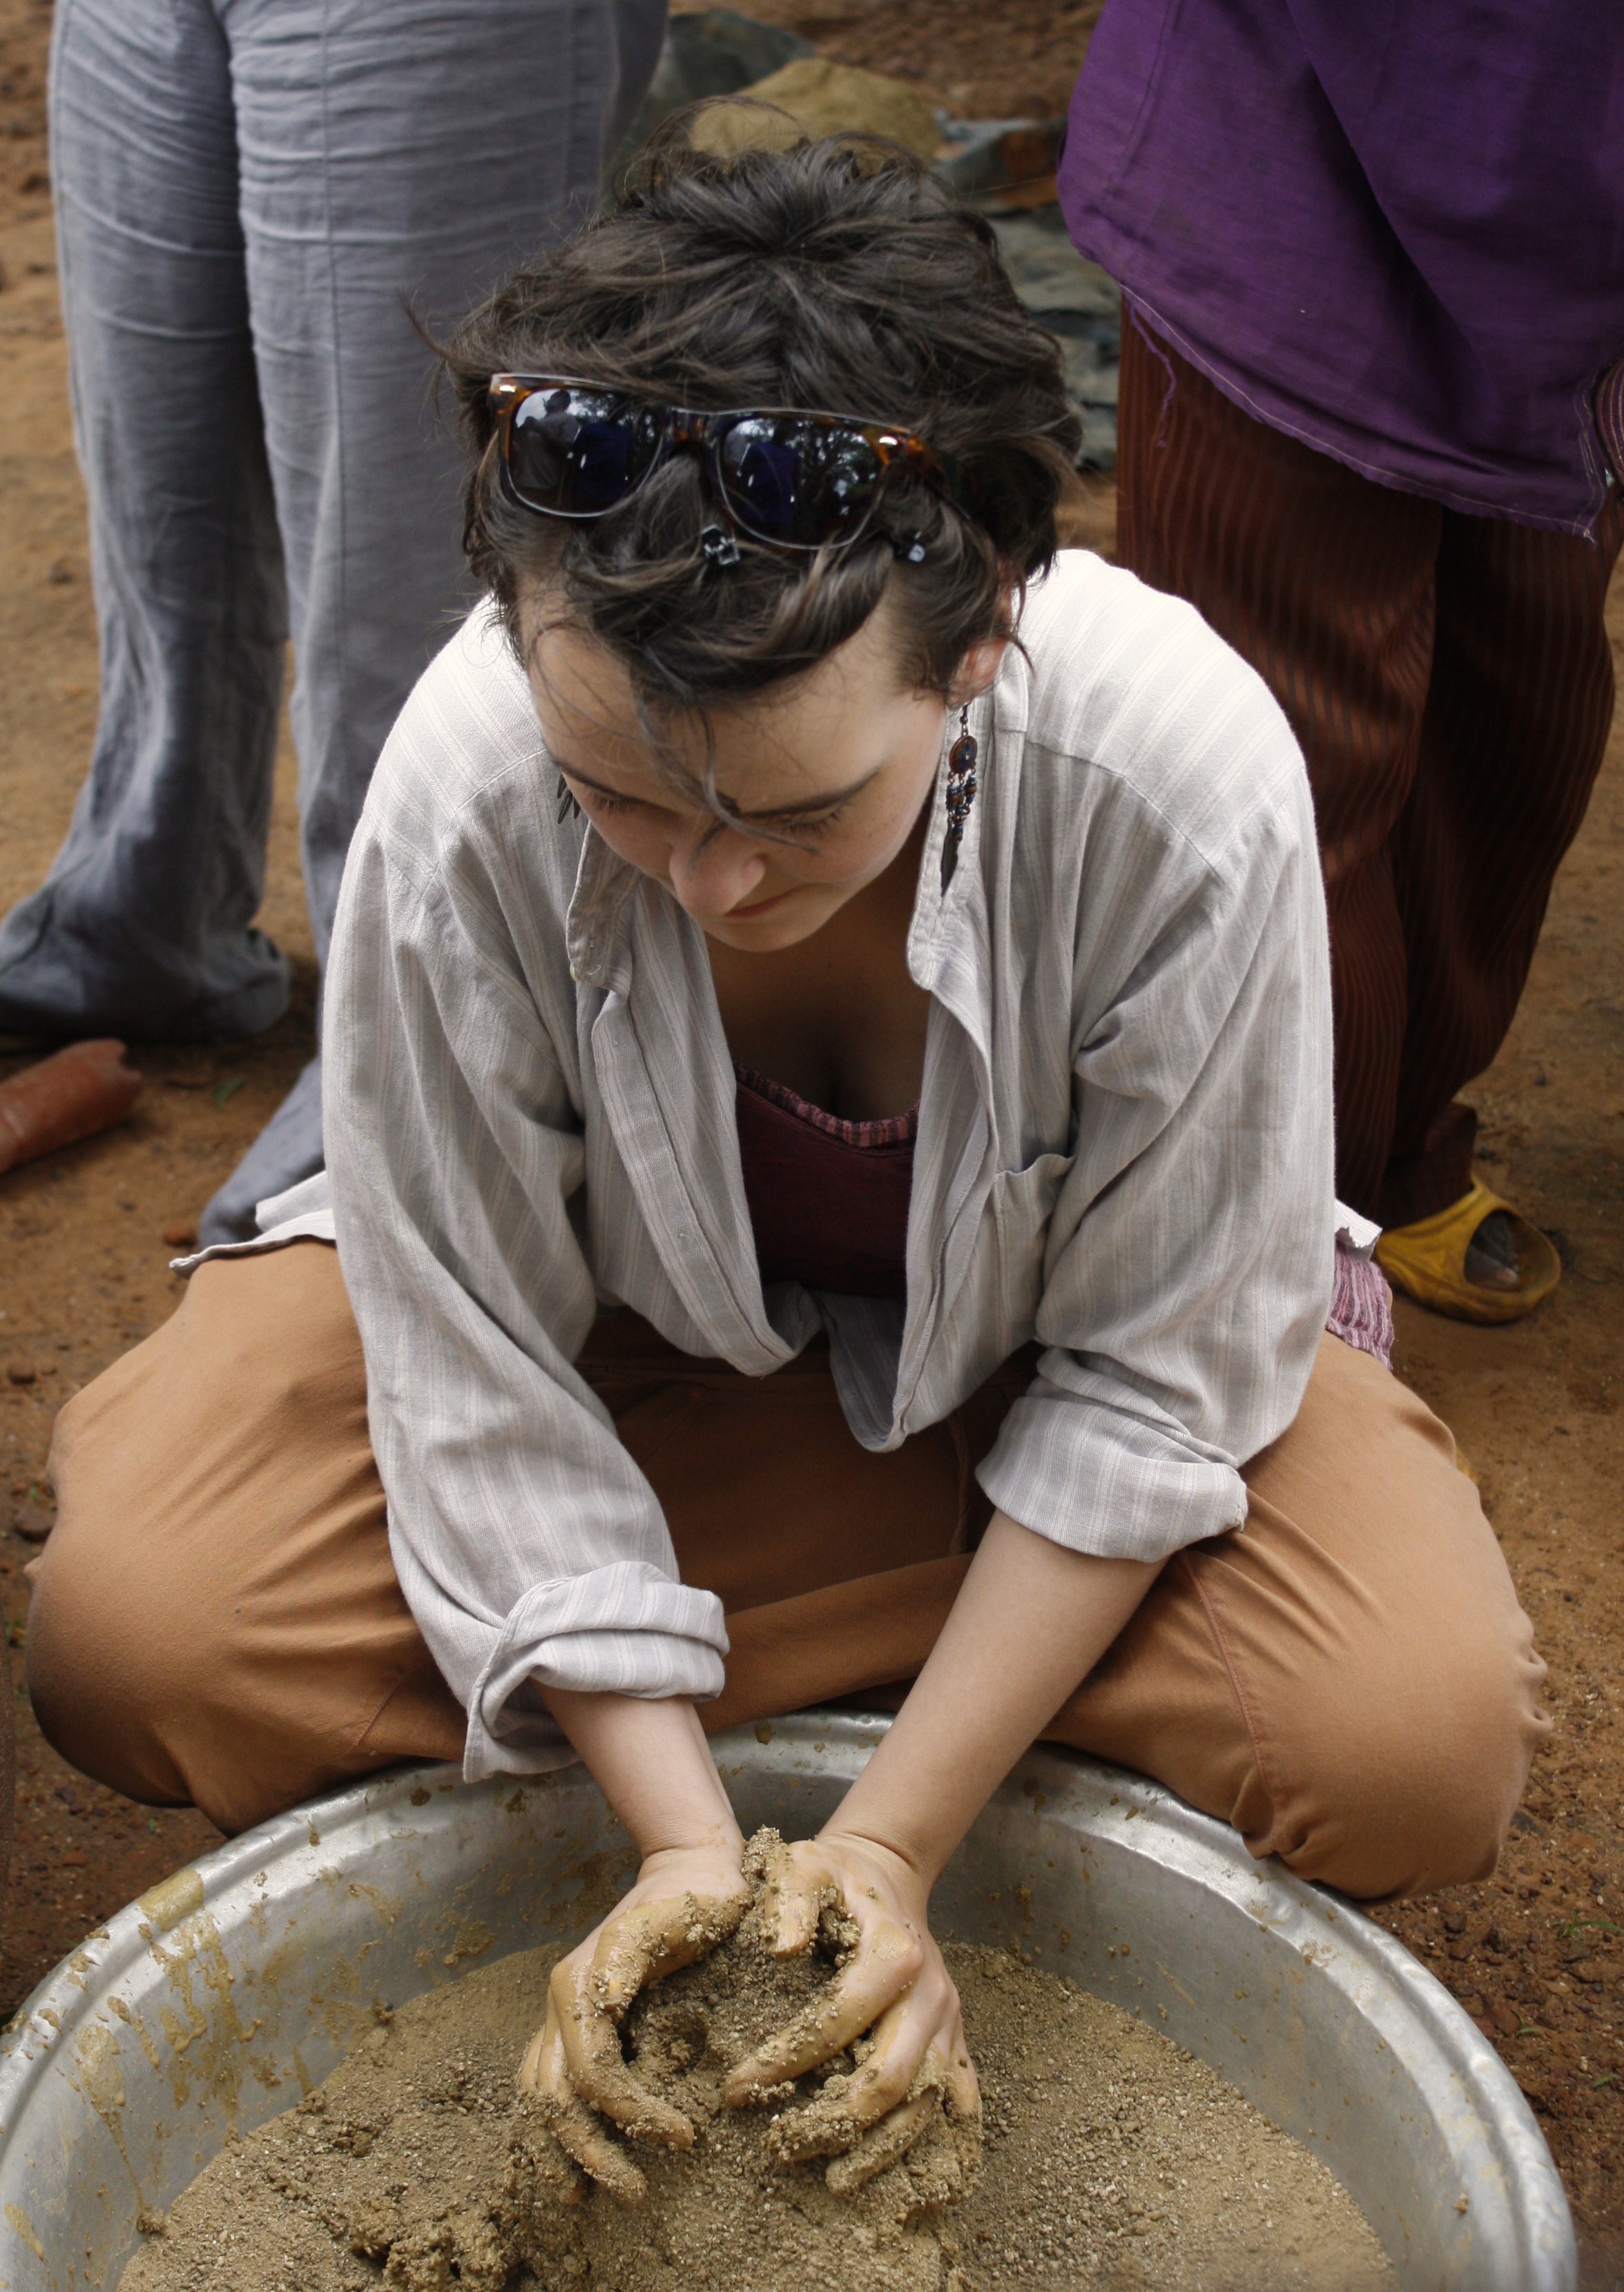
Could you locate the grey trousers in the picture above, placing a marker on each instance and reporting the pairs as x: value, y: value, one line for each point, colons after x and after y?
x: 248, y: 192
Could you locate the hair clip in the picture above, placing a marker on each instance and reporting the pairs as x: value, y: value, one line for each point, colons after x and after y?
x: 909, y: 548
x: 719, y: 548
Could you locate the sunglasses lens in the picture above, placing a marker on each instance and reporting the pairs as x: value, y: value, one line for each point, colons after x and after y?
x: 791, y: 481
x: 578, y: 452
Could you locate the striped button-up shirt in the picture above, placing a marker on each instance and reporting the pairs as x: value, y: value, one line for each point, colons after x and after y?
x: 1124, y: 1144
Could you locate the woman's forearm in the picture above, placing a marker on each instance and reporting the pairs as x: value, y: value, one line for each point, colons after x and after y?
x: 653, y: 1763
x: 1031, y: 1621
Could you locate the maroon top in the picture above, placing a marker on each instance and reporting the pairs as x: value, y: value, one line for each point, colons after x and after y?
x: 828, y: 1199
x: 828, y: 1203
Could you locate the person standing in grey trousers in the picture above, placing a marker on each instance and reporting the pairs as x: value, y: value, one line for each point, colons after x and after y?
x: 249, y: 193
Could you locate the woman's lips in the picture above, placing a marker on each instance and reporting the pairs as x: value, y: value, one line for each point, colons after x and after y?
x: 760, y: 908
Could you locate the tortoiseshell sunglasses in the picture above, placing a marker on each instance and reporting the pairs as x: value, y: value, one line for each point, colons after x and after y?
x: 791, y: 478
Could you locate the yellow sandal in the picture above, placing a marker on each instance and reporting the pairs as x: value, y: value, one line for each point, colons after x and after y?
x: 1427, y: 1261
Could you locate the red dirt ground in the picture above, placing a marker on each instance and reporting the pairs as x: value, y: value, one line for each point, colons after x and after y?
x: 1536, y: 1952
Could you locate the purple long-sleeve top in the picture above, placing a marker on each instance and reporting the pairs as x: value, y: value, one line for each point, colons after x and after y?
x: 1394, y: 229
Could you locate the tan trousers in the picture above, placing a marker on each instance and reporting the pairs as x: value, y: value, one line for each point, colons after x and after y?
x: 1349, y: 1681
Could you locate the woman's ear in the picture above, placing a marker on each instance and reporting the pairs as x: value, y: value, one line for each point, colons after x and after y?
x: 977, y: 670
x: 982, y: 662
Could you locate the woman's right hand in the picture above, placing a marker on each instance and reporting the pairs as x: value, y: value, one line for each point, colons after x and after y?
x: 687, y: 1900
x: 652, y: 1761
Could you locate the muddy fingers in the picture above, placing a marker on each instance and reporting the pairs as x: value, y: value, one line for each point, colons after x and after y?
x: 656, y: 1938
x: 576, y: 2131
x: 596, y: 2072
x: 887, y: 1960
x: 862, y: 2118
x: 794, y: 1892
x: 825, y: 2128
x: 685, y: 1903
x: 962, y: 2090
x: 885, y: 2144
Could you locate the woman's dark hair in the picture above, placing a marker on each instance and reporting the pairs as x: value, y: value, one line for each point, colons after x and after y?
x: 835, y: 276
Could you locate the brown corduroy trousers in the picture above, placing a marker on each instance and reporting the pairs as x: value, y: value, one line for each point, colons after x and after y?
x: 1450, y: 681
x: 1349, y: 1681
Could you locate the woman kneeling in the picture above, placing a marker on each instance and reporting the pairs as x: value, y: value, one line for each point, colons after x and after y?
x: 829, y: 1133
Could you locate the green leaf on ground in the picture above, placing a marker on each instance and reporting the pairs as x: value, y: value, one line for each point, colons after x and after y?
x: 229, y: 1088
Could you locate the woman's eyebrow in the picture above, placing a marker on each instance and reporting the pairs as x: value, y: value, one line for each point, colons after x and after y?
x: 826, y: 802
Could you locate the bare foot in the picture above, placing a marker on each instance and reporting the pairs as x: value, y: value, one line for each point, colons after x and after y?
x: 1491, y: 1259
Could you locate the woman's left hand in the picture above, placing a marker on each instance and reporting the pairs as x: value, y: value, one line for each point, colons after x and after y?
x: 1031, y: 1619
x: 894, y: 1989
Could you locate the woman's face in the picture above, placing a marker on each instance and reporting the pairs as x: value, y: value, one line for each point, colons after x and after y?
x: 825, y: 775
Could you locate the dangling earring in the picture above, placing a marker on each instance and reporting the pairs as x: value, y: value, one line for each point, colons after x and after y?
x: 960, y: 793
x: 567, y: 804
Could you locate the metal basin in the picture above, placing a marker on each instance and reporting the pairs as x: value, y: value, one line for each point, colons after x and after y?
x: 223, y: 1995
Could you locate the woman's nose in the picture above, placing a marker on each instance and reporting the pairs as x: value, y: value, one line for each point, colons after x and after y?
x: 713, y: 869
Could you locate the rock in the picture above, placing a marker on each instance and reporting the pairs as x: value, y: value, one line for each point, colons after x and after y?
x: 20, y: 1372
x: 822, y: 98
x: 181, y: 1233
x: 1048, y: 273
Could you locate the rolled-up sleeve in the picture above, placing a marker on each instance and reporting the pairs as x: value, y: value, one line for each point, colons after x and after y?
x: 1188, y: 1263
x: 530, y: 1548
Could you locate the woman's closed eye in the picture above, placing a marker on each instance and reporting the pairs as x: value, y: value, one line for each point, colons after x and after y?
x: 801, y: 827
x: 597, y: 799
x: 796, y: 828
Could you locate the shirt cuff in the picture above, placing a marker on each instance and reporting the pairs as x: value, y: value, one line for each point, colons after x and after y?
x: 626, y: 1630
x: 1360, y: 1234
x: 1100, y: 1479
